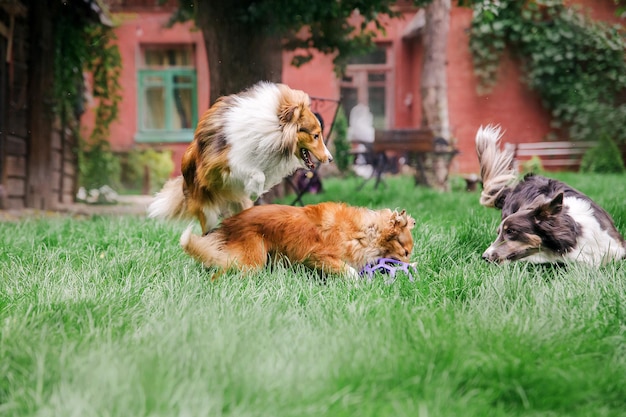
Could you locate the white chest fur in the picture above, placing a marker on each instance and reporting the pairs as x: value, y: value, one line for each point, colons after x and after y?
x: 594, y: 245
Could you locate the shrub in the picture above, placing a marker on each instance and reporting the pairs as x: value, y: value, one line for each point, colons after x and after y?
x: 533, y: 165
x: 159, y: 166
x: 98, y: 165
x: 604, y: 158
x: 342, y: 145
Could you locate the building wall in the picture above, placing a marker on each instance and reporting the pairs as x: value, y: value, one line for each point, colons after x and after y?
x: 134, y: 29
x: 409, y: 56
x: 511, y: 104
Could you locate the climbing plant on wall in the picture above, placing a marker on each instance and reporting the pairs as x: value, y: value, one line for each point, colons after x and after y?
x: 576, y: 64
x: 87, y: 47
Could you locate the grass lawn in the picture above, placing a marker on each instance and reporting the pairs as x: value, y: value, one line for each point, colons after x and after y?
x: 108, y: 317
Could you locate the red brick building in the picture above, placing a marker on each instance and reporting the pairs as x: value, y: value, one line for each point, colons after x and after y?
x: 165, y: 80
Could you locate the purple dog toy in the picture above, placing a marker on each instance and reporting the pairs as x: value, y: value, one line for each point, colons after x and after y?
x: 386, y: 266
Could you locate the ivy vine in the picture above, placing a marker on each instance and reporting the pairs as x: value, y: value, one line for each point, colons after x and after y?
x: 576, y: 64
x: 88, y: 47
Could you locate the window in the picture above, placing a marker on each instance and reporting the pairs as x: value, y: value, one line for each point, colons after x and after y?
x: 367, y: 81
x: 167, y: 95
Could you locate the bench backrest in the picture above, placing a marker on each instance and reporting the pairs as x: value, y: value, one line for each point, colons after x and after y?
x: 404, y: 140
x: 556, y: 155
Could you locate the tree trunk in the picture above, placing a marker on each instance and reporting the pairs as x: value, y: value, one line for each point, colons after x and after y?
x: 434, y: 91
x: 434, y: 87
x: 239, y: 53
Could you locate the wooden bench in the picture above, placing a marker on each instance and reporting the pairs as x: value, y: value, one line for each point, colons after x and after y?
x: 404, y: 141
x: 413, y: 144
x: 563, y: 155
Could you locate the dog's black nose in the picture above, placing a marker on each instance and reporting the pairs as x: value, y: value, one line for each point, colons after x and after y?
x: 491, y: 258
x: 330, y: 159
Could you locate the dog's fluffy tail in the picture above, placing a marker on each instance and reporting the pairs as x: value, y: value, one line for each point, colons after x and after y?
x: 496, y: 165
x: 169, y: 203
x: 206, y: 249
x: 185, y: 238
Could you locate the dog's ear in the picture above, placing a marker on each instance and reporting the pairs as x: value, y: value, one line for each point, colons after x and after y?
x: 407, y: 221
x: 410, y: 222
x: 399, y: 221
x: 288, y: 117
x: 549, y: 209
x: 290, y: 113
x: 499, y: 203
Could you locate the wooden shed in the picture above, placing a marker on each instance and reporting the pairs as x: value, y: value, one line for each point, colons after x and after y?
x: 38, y: 164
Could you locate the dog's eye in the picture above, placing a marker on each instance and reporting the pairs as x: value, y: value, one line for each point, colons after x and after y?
x: 316, y: 136
x: 509, y: 231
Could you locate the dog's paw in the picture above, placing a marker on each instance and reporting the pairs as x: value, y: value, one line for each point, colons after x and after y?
x: 352, y: 273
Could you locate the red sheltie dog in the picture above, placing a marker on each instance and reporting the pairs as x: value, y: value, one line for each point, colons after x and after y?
x: 244, y: 145
x: 330, y: 237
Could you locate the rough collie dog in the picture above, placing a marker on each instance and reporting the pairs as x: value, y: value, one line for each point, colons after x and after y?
x: 543, y: 220
x: 329, y: 237
x: 244, y: 145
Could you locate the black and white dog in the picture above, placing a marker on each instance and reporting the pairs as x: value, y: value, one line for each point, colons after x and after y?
x: 543, y: 220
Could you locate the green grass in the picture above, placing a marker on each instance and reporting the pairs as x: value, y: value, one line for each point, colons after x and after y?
x: 108, y: 317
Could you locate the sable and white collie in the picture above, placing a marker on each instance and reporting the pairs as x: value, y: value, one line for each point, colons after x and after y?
x: 329, y: 237
x: 244, y: 145
x: 543, y: 220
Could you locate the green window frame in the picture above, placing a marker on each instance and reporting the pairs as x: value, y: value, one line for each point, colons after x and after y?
x: 165, y: 119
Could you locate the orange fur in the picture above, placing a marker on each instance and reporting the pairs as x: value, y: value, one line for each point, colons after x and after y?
x: 242, y: 148
x: 331, y: 237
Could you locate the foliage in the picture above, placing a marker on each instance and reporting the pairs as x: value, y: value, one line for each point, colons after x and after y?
x: 322, y: 25
x: 158, y: 163
x: 105, y: 64
x: 98, y: 165
x: 107, y: 316
x: 577, y: 65
x: 533, y: 165
x: 604, y: 158
x: 621, y: 9
x: 87, y: 47
x: 70, y: 53
x: 329, y: 29
x: 342, y: 155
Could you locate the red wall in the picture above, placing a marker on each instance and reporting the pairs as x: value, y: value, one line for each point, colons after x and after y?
x: 511, y: 104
